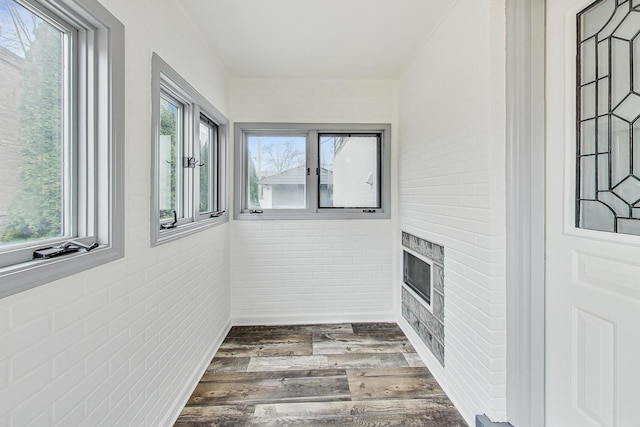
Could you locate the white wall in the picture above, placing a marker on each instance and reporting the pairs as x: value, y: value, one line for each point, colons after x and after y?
x: 123, y: 344
x: 312, y: 271
x: 451, y: 184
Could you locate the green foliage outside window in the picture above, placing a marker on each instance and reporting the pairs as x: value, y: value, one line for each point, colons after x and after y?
x: 168, y: 127
x: 36, y: 210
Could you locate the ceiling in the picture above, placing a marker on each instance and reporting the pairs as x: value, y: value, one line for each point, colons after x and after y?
x: 364, y: 39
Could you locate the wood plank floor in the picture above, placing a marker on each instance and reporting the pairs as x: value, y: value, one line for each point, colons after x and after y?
x: 353, y: 374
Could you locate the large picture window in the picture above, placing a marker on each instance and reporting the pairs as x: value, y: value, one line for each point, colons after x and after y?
x: 189, y: 155
x: 312, y: 171
x: 61, y: 137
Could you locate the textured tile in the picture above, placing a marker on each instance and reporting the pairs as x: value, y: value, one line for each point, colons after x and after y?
x: 427, y: 326
x: 414, y: 360
x: 436, y: 412
x: 360, y: 343
x: 438, y: 306
x: 376, y: 328
x: 438, y: 278
x: 392, y: 383
x: 287, y: 363
x: 390, y: 360
x: 266, y: 345
x: 438, y: 351
x: 434, y: 326
x: 425, y: 248
x: 332, y: 328
x: 405, y: 296
x: 228, y: 364
x: 425, y: 335
x: 236, y: 415
x: 438, y: 254
x: 374, y: 363
x: 266, y: 330
x: 405, y: 311
x: 271, y: 387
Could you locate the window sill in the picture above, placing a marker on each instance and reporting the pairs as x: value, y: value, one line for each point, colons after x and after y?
x: 27, y: 275
x: 164, y: 236
x: 323, y: 215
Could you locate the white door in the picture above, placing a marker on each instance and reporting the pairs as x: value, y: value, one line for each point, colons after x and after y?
x: 592, y: 320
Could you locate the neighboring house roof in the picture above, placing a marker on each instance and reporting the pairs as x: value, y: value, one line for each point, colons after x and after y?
x: 296, y: 176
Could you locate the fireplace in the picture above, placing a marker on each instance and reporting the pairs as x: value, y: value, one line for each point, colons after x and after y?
x: 423, y: 291
x: 417, y: 275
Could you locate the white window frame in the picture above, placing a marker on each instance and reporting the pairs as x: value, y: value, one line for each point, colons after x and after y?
x: 94, y: 119
x: 166, y: 81
x: 312, y: 209
x: 215, y: 181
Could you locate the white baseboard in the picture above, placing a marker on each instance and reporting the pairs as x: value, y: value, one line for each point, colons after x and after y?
x: 190, y: 385
x: 306, y: 319
x: 434, y: 367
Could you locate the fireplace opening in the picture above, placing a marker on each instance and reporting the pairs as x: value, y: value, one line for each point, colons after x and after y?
x: 417, y: 275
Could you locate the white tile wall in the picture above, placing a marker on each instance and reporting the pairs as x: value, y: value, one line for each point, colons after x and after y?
x: 312, y: 271
x: 451, y: 184
x: 124, y: 343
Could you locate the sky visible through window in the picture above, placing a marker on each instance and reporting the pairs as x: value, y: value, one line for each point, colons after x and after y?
x: 272, y: 155
x: 17, y: 27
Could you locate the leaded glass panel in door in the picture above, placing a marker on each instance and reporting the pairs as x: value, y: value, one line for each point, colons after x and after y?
x: 608, y: 117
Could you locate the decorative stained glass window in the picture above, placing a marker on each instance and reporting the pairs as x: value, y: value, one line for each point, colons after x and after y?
x: 608, y: 117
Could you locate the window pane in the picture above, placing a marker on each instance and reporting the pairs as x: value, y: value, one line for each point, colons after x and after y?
x: 207, y: 167
x: 349, y: 171
x: 34, y: 201
x: 608, y: 190
x: 170, y: 158
x: 277, y: 172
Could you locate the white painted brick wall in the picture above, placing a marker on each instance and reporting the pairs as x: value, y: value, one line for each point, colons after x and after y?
x: 312, y: 271
x: 121, y: 344
x: 451, y: 184
x: 289, y: 271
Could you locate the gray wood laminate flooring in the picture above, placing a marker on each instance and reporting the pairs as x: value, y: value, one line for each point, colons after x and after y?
x: 352, y: 374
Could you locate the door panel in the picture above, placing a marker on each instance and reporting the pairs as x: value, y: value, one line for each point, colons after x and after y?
x: 592, y: 357
x: 592, y: 320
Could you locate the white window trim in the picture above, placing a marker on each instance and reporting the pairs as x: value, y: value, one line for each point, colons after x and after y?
x: 101, y: 38
x: 312, y: 210
x: 166, y: 79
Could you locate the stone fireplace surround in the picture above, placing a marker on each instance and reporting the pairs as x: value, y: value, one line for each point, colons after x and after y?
x: 428, y: 324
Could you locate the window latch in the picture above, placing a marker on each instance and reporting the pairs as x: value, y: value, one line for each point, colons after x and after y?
x: 369, y: 210
x: 217, y: 214
x: 256, y: 211
x: 190, y: 162
x: 170, y: 225
x: 67, y: 247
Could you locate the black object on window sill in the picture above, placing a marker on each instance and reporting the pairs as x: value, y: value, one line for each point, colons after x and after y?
x: 68, y: 247
x: 173, y: 224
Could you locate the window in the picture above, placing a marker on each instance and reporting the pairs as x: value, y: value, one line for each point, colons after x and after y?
x: 189, y: 153
x: 608, y: 123
x: 312, y: 171
x: 61, y: 137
